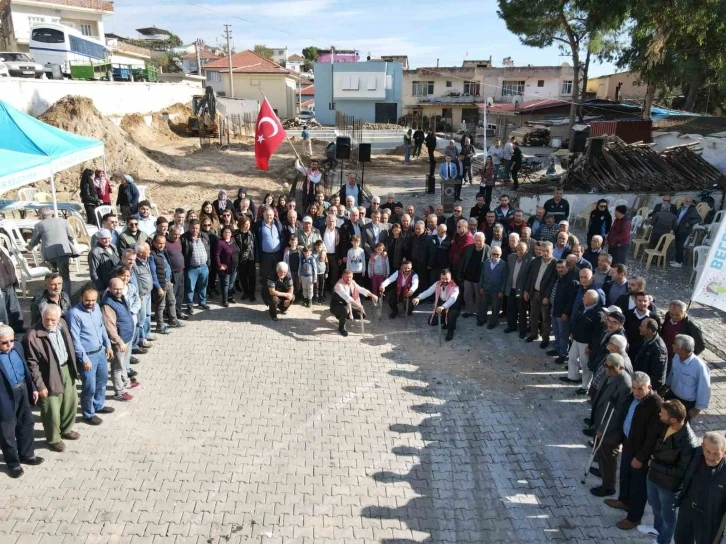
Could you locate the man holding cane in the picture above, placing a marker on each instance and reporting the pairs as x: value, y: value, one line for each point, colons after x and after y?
x: 346, y: 303
x: 446, y: 309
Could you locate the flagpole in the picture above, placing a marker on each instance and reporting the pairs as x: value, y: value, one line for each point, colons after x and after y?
x: 287, y: 137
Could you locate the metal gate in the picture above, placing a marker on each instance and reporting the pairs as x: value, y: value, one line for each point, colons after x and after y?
x: 386, y: 112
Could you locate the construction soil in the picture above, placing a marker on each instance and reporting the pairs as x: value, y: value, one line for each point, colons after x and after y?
x: 171, y: 164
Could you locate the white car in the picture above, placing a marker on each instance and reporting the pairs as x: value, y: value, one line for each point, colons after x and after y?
x: 21, y: 65
x: 4, y: 70
x: 306, y: 115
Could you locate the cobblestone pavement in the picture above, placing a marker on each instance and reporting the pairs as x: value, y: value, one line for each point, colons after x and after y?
x: 247, y: 430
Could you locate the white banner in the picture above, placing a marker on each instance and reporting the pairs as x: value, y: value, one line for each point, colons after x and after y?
x: 711, y: 285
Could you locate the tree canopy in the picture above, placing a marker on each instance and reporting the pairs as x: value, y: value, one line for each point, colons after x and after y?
x: 263, y: 51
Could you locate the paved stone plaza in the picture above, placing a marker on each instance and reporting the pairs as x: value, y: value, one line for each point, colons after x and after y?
x: 249, y: 431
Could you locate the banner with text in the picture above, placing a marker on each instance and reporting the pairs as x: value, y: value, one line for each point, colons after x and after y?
x: 711, y: 285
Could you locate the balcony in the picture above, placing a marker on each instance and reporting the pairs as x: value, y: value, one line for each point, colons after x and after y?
x: 451, y: 98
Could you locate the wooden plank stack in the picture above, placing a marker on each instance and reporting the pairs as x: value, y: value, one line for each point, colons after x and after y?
x: 637, y: 167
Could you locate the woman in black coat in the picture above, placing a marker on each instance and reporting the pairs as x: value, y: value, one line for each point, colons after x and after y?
x: 600, y: 221
x: 89, y: 196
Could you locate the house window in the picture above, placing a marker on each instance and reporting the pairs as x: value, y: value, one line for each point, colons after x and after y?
x: 86, y: 29
x: 447, y: 113
x: 422, y: 88
x: 449, y: 83
x: 540, y: 83
x: 255, y: 82
x: 566, y: 87
x: 214, y: 76
x: 35, y: 21
x: 372, y: 83
x: 350, y: 83
x: 512, y: 88
x: 472, y: 88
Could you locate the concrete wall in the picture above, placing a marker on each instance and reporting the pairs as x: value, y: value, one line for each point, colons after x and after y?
x: 605, y: 87
x: 34, y: 96
x: 360, y: 107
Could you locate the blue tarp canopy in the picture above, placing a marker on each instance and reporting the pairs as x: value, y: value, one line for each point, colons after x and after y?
x: 31, y: 150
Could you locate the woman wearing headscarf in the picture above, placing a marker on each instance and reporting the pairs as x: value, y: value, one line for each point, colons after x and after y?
x: 103, y: 187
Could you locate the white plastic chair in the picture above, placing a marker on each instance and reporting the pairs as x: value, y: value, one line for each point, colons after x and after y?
x: 29, y: 273
x: 145, y: 194
x: 635, y: 225
x: 43, y: 197
x: 573, y: 204
x: 620, y: 202
x: 700, y: 254
x: 100, y: 212
x: 27, y: 194
x: 718, y: 217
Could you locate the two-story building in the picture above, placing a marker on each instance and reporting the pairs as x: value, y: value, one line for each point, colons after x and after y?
x: 295, y: 63
x: 190, y: 64
x: 371, y: 91
x: 279, y: 55
x: 18, y: 16
x: 457, y: 93
x: 252, y: 73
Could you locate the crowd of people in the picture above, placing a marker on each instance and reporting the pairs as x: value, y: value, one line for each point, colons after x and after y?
x: 640, y: 371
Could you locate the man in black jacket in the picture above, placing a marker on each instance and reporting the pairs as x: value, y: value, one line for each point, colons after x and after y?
x: 540, y: 278
x: 674, y: 448
x: 686, y: 218
x: 518, y: 266
x: 479, y: 210
x: 562, y: 296
x: 418, y: 140
x: 665, y: 205
x: 633, y: 319
x: 438, y: 252
x: 677, y: 321
x: 653, y: 355
x: 585, y: 335
x: 702, y: 502
x: 640, y: 429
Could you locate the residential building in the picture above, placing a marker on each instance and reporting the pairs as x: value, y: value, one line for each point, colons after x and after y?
x: 279, y: 55
x: 251, y: 74
x: 617, y: 87
x: 403, y: 59
x: 371, y: 91
x: 126, y: 54
x: 295, y: 63
x: 18, y: 16
x: 306, y: 93
x: 189, y: 61
x: 456, y: 93
x: 337, y: 55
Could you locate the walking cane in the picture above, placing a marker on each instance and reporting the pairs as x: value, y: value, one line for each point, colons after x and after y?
x: 597, y: 443
x: 380, y: 308
x: 441, y: 326
x: 362, y: 323
x: 405, y: 310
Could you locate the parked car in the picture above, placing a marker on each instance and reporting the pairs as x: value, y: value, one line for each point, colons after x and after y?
x: 306, y: 115
x: 4, y: 70
x: 21, y: 65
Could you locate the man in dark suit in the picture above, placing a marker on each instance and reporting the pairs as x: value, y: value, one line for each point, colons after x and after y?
x: 518, y: 267
x: 17, y: 393
x: 640, y: 431
x: 609, y: 410
x: 372, y: 233
x: 664, y: 205
x: 439, y: 252
x: 686, y: 218
x: 653, y: 355
x: 540, y: 279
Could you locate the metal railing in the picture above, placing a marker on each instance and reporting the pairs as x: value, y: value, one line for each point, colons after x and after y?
x: 350, y: 126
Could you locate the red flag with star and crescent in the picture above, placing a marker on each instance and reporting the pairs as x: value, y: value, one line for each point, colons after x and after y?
x: 269, y: 134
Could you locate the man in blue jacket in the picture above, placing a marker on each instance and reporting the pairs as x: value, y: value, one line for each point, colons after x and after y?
x: 493, y: 280
x: 17, y: 392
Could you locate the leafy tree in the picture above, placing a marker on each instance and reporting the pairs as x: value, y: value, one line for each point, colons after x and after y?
x: 310, y: 53
x: 263, y: 51
x: 570, y: 24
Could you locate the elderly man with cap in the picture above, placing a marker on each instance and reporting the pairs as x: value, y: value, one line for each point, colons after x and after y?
x: 57, y: 237
x: 564, y: 226
x: 613, y: 320
x: 609, y: 412
x: 17, y: 393
x: 52, y: 362
x: 93, y: 349
x: 308, y: 235
x: 102, y: 260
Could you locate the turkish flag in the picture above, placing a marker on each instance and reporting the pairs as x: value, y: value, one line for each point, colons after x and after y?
x: 269, y: 134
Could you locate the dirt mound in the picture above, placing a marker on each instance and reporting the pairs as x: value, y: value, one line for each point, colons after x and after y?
x: 180, y: 109
x: 78, y: 115
x: 156, y: 133
x: 398, y: 151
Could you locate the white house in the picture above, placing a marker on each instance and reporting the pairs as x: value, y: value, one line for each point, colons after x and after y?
x: 17, y: 16
x: 126, y: 54
x: 279, y: 55
x: 295, y: 63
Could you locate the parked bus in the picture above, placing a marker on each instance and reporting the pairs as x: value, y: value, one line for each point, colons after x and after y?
x: 58, y: 44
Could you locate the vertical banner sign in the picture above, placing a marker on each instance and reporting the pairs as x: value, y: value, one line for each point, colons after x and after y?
x: 711, y: 286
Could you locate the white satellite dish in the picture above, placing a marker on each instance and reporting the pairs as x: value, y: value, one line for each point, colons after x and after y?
x: 490, y: 101
x: 517, y: 101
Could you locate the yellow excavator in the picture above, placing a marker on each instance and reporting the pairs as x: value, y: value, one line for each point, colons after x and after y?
x: 204, y: 114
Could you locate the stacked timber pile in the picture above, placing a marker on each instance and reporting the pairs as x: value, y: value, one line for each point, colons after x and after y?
x: 637, y: 167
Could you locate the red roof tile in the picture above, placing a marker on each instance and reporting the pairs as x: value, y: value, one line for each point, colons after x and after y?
x: 308, y: 91
x: 247, y: 62
x: 86, y: 4
x: 203, y: 54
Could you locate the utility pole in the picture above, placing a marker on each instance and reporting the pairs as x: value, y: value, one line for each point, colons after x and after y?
x: 198, y: 48
x: 228, y: 32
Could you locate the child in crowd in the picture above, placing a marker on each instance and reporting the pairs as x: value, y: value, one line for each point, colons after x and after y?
x: 378, y: 269
x: 321, y: 261
x: 356, y: 259
x: 308, y: 276
x: 292, y: 258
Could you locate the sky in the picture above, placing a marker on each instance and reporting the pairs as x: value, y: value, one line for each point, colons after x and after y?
x: 425, y: 30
